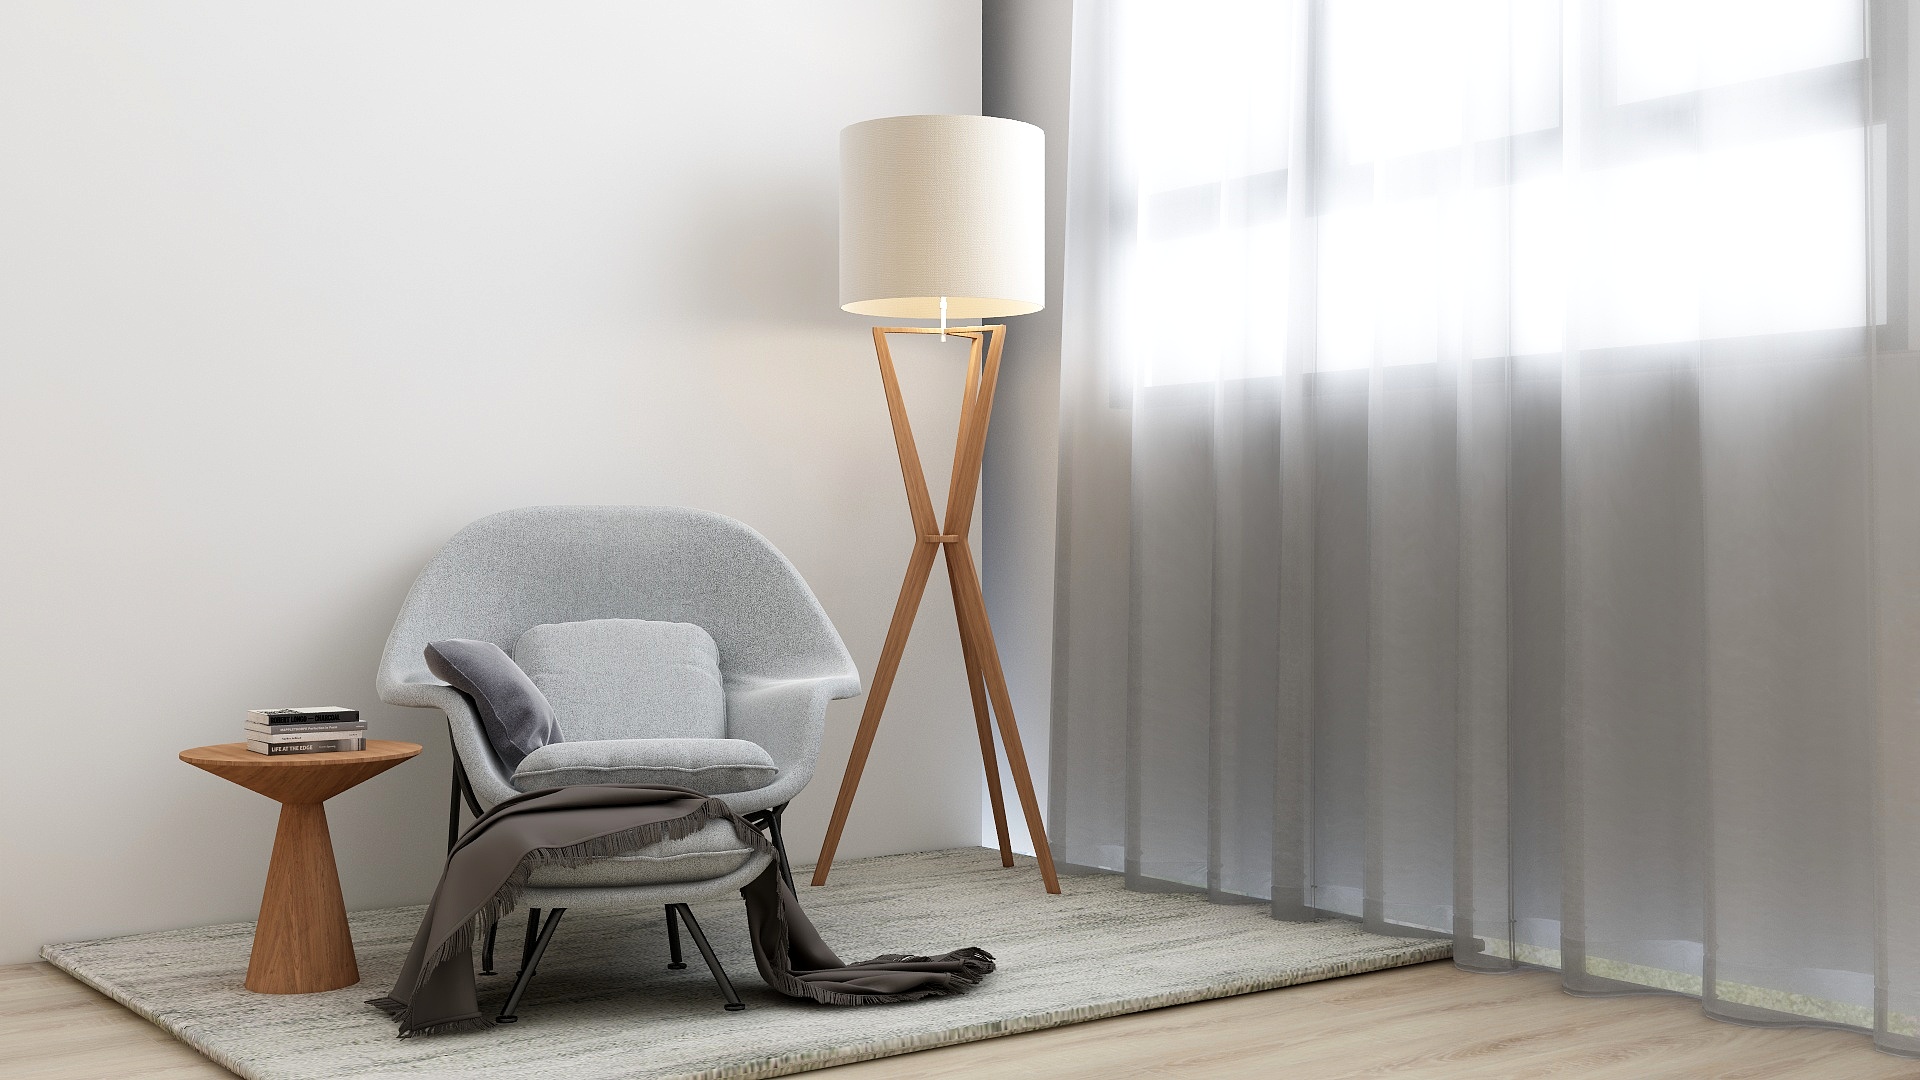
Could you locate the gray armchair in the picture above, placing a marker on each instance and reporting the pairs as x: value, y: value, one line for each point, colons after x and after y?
x: 781, y: 662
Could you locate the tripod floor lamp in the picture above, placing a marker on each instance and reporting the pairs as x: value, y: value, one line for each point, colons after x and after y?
x: 943, y: 217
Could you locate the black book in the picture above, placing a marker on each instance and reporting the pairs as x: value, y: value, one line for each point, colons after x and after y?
x: 328, y: 746
x: 320, y: 714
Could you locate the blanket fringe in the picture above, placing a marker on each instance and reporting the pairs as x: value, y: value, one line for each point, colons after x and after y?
x: 397, y: 1010
x: 957, y: 983
x: 477, y: 1023
x: 975, y: 964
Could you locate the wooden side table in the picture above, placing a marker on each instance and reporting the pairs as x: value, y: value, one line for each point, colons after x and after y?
x: 301, y: 944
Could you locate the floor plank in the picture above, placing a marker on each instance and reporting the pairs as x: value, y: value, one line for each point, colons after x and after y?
x: 54, y: 1027
x: 1430, y: 1021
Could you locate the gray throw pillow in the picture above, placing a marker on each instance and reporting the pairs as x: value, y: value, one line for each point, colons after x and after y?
x: 513, y: 712
x: 627, y: 678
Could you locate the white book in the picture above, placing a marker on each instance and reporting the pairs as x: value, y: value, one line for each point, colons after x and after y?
x: 334, y: 732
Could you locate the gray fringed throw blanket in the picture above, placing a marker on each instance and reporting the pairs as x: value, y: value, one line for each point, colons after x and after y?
x: 490, y: 865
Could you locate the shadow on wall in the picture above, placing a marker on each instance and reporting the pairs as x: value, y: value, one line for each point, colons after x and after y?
x: 745, y: 254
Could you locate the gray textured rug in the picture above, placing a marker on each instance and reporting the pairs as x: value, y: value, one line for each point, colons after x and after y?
x: 604, y: 1004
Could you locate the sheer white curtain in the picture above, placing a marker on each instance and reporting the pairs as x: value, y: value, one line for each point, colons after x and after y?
x: 1491, y: 483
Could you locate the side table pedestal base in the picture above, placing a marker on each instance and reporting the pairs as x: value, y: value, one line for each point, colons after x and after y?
x: 302, y: 944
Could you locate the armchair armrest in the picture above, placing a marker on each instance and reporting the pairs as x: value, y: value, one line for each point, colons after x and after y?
x: 787, y: 718
x: 491, y: 781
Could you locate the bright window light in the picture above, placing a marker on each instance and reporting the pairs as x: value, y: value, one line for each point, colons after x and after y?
x: 1462, y: 196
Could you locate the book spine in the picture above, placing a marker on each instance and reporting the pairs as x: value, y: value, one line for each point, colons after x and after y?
x: 274, y: 717
x: 330, y: 746
x: 288, y: 731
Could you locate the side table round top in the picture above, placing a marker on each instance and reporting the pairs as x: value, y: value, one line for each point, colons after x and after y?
x: 299, y: 778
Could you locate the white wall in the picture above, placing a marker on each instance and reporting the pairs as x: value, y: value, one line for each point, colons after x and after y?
x: 289, y: 293
x: 1026, y: 47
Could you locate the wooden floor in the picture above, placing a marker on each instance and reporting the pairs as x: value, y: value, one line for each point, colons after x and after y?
x: 1425, y: 1021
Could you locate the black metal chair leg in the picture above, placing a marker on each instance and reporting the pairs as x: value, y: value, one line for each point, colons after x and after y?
x: 673, y: 940
x: 462, y: 792
x: 466, y: 787
x: 537, y: 949
x: 734, y: 1004
x: 780, y: 845
x: 770, y: 821
x: 486, y: 954
x: 453, y: 812
x: 533, y: 935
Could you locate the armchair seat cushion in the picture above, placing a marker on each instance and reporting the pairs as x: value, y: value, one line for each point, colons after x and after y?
x: 715, y: 851
x: 708, y: 766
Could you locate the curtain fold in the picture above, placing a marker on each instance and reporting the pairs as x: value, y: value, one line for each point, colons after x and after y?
x: 1490, y: 484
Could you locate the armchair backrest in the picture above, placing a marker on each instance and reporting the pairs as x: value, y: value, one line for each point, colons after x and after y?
x: 549, y: 564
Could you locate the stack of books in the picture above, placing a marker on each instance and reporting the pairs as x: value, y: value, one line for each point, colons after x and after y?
x: 323, y: 729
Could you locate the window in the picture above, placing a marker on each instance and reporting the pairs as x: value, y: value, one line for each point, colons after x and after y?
x: 1402, y: 182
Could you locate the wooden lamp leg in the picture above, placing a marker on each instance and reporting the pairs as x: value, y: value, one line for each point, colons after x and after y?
x: 918, y: 569
x: 986, y: 682
x: 977, y: 689
x: 1003, y: 712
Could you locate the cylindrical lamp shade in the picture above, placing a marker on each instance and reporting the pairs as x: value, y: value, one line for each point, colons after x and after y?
x: 942, y: 206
